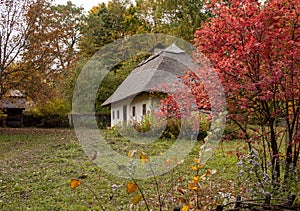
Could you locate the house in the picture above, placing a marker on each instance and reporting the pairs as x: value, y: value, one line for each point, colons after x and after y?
x: 12, y: 105
x: 132, y: 99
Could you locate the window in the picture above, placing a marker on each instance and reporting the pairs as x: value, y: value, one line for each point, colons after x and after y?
x: 144, y: 109
x: 113, y: 114
x: 133, y: 111
x: 118, y: 114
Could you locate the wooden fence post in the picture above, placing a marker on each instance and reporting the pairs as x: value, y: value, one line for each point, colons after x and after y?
x: 238, y: 201
x: 176, y: 208
x: 291, y: 199
x: 268, y: 198
x: 219, y: 208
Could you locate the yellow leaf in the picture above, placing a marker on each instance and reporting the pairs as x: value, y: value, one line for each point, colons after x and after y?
x: 195, y: 188
x: 74, y: 183
x: 131, y: 187
x: 194, y: 168
x: 196, y: 178
x: 185, y: 208
x: 192, y: 186
x: 144, y: 157
x: 197, y: 160
x: 136, y: 199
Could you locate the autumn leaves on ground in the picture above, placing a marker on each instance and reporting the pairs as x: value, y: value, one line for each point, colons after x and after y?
x: 37, y: 166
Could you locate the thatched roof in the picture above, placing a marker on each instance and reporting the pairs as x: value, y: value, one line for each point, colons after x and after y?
x: 13, y: 99
x: 158, y: 69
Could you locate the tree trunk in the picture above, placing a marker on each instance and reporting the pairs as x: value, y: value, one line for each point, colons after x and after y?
x: 275, y: 156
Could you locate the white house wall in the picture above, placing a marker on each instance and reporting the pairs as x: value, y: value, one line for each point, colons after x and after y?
x: 138, y: 103
x: 118, y: 108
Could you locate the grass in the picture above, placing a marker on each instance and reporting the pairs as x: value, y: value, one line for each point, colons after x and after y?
x: 37, y: 165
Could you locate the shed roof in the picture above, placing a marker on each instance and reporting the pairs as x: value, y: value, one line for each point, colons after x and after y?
x: 14, y: 93
x: 160, y: 68
x: 13, y: 99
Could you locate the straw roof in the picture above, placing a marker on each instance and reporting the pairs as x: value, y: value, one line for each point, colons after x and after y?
x: 13, y: 99
x: 158, y: 69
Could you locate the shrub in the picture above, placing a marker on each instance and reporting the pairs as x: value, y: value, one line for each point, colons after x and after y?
x: 51, y: 114
x: 2, y: 118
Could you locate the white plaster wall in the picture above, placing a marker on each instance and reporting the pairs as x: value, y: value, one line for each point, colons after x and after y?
x: 151, y: 104
x: 118, y: 106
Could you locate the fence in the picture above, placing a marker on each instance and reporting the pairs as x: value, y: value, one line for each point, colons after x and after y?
x: 267, y: 203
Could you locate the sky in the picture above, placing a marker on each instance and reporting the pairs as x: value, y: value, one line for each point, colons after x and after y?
x: 86, y: 4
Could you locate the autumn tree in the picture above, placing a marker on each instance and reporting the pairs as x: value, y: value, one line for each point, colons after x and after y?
x: 51, y: 47
x: 255, y: 49
x: 15, y: 28
x: 38, y: 45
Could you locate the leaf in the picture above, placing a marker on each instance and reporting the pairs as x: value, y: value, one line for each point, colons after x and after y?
x: 136, y: 199
x: 168, y: 163
x: 180, y: 190
x: 196, y: 178
x: 197, y: 160
x: 131, y: 187
x: 74, y: 183
x: 185, y: 208
x: 144, y: 157
x: 194, y: 168
x: 204, y: 176
x: 131, y: 153
x: 183, y: 200
x: 193, y: 186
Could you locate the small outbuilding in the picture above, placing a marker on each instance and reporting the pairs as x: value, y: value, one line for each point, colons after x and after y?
x: 12, y: 105
x: 132, y: 99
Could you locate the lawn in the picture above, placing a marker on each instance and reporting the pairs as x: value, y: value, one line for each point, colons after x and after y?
x: 38, y: 164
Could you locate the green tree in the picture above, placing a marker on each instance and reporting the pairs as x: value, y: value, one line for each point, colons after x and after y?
x: 107, y: 23
x: 179, y: 18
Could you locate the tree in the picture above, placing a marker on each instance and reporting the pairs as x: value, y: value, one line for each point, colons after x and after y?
x: 107, y: 23
x: 51, y: 47
x: 15, y: 28
x: 65, y: 26
x: 179, y: 18
x: 255, y: 49
x: 38, y: 44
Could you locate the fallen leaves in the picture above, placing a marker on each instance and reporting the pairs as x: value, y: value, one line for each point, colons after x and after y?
x: 136, y: 199
x: 131, y: 187
x: 144, y: 157
x: 74, y: 183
